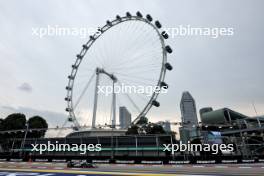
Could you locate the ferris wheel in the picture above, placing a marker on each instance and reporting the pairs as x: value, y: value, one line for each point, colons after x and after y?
x: 130, y: 52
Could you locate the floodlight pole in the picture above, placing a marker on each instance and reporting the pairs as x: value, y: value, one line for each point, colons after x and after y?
x: 24, y: 139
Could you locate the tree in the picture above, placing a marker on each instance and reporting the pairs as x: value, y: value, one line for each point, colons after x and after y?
x: 133, y: 130
x: 1, y: 124
x: 1, y: 129
x: 150, y: 128
x: 15, y: 121
x: 142, y: 121
x: 37, y: 122
x: 153, y: 128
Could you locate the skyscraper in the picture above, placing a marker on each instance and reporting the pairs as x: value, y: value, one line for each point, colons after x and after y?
x: 188, y: 130
x: 188, y: 110
x: 124, y: 117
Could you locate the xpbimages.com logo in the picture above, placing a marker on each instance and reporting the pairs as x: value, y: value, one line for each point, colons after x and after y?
x: 60, y: 31
x: 50, y: 147
x: 132, y: 89
x: 192, y: 31
x: 214, y: 148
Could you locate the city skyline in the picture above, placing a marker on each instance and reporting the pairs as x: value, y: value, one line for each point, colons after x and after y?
x: 221, y: 72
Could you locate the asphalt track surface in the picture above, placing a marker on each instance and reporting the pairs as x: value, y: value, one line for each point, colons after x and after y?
x: 58, y: 169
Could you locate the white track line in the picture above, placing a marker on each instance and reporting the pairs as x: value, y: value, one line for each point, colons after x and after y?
x: 221, y: 166
x: 177, y: 166
x: 198, y: 166
x: 244, y: 167
x: 58, y: 168
x: 42, y: 167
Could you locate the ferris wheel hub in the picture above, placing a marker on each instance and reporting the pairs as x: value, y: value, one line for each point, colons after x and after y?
x: 101, y: 70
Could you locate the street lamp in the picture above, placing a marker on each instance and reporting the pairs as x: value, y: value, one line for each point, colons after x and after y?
x: 25, y: 136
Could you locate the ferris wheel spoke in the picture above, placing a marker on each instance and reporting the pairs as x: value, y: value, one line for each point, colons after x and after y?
x: 98, y: 59
x: 100, y: 55
x: 84, y: 91
x: 136, y: 66
x: 123, y: 49
x: 138, y: 58
x: 139, y: 84
x: 136, y: 48
x: 141, y: 33
x: 142, y: 71
x: 132, y: 62
x: 120, y: 48
x: 123, y: 52
x: 131, y: 101
x: 146, y: 39
x: 85, y: 75
x: 142, y: 95
x: 136, y: 33
x: 145, y: 82
x: 137, y: 77
x: 128, y: 55
x: 136, y: 84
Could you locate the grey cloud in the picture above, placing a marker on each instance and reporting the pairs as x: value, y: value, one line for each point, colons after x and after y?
x: 25, y: 87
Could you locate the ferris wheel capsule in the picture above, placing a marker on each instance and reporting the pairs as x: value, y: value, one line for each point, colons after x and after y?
x: 68, y: 109
x: 155, y: 103
x: 158, y: 25
x: 128, y: 15
x: 139, y: 14
x: 79, y: 56
x: 168, y: 49
x: 70, y: 77
x: 149, y: 18
x: 109, y: 23
x: 68, y: 88
x: 118, y: 17
x: 168, y: 66
x: 165, y: 35
x: 74, y: 66
x: 85, y: 46
x: 164, y: 85
x: 67, y: 99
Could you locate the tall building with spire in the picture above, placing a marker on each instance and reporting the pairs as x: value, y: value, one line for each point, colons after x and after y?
x: 188, y: 110
x: 188, y: 130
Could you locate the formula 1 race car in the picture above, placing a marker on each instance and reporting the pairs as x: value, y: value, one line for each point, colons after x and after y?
x: 80, y: 164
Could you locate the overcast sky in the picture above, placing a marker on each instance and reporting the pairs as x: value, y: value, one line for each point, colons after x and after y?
x: 220, y: 72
